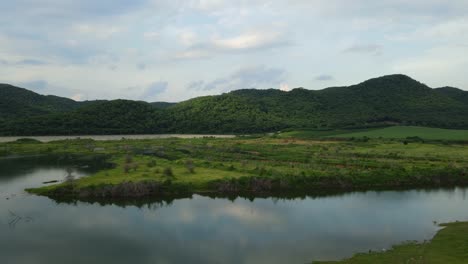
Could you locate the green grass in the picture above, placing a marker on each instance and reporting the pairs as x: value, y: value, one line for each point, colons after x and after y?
x: 311, y: 134
x: 401, y: 132
x: 288, y: 163
x: 448, y: 246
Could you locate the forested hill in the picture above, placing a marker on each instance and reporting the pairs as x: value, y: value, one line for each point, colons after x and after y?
x: 18, y: 102
x: 387, y: 100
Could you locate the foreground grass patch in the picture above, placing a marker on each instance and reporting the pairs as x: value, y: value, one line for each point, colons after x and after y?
x: 448, y: 246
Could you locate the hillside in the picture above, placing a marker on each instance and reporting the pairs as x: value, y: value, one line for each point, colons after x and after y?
x: 383, y: 101
x: 18, y: 102
x: 394, y: 99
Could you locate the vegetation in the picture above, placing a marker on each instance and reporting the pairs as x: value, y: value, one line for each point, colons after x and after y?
x: 384, y: 101
x: 395, y: 132
x: 410, y: 133
x: 448, y: 246
x: 256, y: 165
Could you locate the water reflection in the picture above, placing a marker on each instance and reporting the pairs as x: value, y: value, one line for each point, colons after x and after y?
x: 215, y: 230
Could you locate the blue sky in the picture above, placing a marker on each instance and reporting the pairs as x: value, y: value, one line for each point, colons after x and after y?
x: 158, y: 50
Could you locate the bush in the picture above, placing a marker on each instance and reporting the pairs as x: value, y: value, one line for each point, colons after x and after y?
x: 168, y: 172
x: 28, y: 141
x: 127, y: 167
x: 151, y: 163
x: 128, y: 159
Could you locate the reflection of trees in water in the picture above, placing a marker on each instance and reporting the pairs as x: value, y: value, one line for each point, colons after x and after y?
x: 15, y: 219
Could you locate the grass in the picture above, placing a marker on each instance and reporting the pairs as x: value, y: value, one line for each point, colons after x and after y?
x: 448, y: 246
x: 281, y: 164
x: 310, y: 134
x: 402, y: 132
x: 394, y: 132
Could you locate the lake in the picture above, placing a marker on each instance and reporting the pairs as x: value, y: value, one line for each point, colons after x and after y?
x: 114, y: 137
x: 205, y: 230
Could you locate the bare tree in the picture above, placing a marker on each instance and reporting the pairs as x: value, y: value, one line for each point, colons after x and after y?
x: 69, y: 178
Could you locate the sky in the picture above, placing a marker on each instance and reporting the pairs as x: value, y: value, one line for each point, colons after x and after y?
x: 173, y: 50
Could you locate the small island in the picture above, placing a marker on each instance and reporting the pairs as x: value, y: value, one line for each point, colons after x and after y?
x: 290, y: 162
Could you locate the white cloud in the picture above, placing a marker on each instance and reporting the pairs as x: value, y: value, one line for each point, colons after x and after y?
x: 250, y: 40
x: 97, y: 31
x: 100, y: 48
x: 251, y: 77
x: 365, y: 48
x: 152, y: 35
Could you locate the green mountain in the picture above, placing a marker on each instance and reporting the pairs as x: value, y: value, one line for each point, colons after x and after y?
x: 162, y: 105
x: 387, y: 100
x: 18, y: 102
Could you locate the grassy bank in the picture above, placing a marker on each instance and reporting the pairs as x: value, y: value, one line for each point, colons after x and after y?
x: 253, y: 165
x: 448, y: 246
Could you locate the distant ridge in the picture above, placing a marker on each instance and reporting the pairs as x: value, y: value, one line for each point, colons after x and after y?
x: 387, y: 100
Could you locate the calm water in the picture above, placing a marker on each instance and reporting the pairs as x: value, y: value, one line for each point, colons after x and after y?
x: 203, y: 230
x: 114, y: 137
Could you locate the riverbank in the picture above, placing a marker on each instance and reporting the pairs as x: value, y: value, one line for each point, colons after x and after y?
x: 112, y: 137
x: 448, y: 246
x: 252, y: 166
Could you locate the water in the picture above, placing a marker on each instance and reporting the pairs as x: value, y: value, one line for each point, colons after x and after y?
x: 113, y: 137
x: 204, y: 230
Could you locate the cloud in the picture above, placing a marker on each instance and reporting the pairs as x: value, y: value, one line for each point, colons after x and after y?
x: 447, y: 62
x: 100, y: 48
x: 251, y: 77
x: 97, y: 31
x: 141, y: 66
x: 78, y: 97
x: 324, y: 77
x: 365, y: 48
x: 249, y: 41
x: 151, y: 35
x: 36, y: 85
x: 31, y: 62
x: 24, y: 62
x: 154, y: 90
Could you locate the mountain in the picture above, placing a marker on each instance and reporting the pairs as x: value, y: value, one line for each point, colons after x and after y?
x: 454, y: 93
x: 387, y: 100
x: 162, y: 105
x: 18, y: 102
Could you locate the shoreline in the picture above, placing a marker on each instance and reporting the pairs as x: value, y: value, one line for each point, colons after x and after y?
x: 46, y: 139
x: 254, y: 189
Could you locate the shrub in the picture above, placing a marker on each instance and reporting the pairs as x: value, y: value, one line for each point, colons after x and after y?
x: 168, y: 172
x: 151, y: 163
x: 127, y: 167
x: 128, y: 159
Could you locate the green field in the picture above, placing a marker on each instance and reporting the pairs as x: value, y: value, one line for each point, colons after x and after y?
x: 408, y: 131
x: 448, y: 246
x: 395, y: 132
x: 259, y: 165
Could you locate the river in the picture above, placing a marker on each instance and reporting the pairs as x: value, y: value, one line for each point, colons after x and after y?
x: 204, y: 230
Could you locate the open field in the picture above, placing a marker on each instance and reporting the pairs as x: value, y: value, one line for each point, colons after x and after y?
x: 448, y: 246
x: 255, y: 165
x: 394, y: 132
x: 408, y: 131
